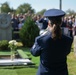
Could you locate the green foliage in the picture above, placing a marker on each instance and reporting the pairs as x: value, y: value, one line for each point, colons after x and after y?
x: 24, y: 8
x: 5, y: 8
x: 70, y: 12
x: 28, y: 32
x: 22, y: 54
x: 31, y: 70
x: 3, y: 45
x: 41, y: 12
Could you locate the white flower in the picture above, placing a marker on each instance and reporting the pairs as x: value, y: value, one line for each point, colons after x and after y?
x: 14, y: 42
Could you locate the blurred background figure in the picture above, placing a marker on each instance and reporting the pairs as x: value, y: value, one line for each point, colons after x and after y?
x: 20, y: 25
x: 44, y: 22
x: 74, y: 35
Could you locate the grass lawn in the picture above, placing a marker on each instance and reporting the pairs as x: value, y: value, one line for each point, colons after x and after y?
x: 72, y: 64
x: 31, y: 70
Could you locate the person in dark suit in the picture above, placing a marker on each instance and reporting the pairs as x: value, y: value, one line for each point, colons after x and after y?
x: 44, y: 21
x: 52, y: 46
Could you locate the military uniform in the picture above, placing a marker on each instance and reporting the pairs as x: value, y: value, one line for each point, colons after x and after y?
x: 53, y: 53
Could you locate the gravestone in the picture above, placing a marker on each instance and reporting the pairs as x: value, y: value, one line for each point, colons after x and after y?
x: 5, y: 27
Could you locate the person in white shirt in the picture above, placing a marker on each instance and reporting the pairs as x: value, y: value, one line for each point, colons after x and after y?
x: 20, y: 25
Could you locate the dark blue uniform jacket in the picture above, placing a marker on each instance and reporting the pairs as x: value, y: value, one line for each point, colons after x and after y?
x: 53, y: 54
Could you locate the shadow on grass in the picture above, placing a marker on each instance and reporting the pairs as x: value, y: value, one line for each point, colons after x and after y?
x: 18, y: 67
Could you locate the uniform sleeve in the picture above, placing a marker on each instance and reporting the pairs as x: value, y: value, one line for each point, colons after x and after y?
x: 36, y: 48
x: 69, y: 46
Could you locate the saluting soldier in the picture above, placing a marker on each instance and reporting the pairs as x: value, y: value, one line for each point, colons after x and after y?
x: 52, y: 46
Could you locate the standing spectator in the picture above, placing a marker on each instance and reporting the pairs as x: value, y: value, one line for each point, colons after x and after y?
x: 44, y: 22
x: 20, y: 25
x: 65, y: 29
x: 64, y: 22
x: 41, y: 23
x: 38, y: 23
x: 14, y: 22
x: 70, y: 25
x: 74, y: 35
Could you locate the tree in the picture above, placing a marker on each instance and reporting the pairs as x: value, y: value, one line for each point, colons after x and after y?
x: 70, y: 12
x: 25, y: 8
x: 28, y: 32
x: 5, y: 8
x: 41, y: 12
x: 13, y: 10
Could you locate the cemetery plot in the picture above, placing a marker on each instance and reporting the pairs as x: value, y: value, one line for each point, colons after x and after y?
x: 20, y: 59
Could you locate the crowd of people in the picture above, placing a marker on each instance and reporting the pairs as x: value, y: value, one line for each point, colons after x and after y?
x: 17, y: 21
x: 68, y: 25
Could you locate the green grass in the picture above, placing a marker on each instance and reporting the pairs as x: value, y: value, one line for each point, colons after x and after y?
x: 18, y: 71
x: 72, y: 63
x: 22, y: 54
x: 31, y: 70
x: 5, y: 52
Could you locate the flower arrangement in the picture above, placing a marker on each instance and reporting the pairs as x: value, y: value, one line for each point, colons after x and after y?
x: 13, y: 44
